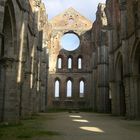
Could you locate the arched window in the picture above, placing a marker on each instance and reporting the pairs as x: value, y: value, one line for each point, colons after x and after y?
x: 57, y: 88
x: 59, y: 63
x: 81, y: 88
x: 69, y: 63
x: 69, y: 88
x: 79, y: 63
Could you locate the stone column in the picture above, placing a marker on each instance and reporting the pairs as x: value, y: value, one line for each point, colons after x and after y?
x: 2, y: 4
x: 103, y: 76
x: 134, y: 97
x: 64, y: 90
x: 10, y: 108
x: 114, y: 104
x: 43, y: 80
x: 1, y: 67
x: 75, y: 96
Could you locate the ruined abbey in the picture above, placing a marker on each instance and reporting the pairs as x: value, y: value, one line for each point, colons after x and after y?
x: 103, y: 73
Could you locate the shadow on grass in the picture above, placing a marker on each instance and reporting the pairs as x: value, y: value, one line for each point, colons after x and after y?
x: 27, y: 135
x: 26, y: 129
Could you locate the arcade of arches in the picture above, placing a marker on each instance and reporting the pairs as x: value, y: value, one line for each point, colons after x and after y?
x: 37, y: 74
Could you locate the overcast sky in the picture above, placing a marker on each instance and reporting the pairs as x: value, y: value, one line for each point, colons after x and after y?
x: 87, y: 8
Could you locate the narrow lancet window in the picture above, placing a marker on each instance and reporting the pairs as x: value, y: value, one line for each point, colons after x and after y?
x: 69, y: 88
x: 59, y: 63
x: 57, y: 88
x: 81, y: 88
x: 79, y: 63
x: 69, y: 63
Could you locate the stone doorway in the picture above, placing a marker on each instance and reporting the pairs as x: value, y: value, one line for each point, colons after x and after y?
x: 121, y: 87
x: 136, y: 77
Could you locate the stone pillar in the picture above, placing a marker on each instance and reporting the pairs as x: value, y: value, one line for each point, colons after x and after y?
x: 10, y: 106
x: 129, y: 99
x: 50, y: 91
x: 1, y: 67
x: 24, y: 69
x: 26, y: 96
x: 76, y: 92
x: 114, y: 107
x: 118, y: 92
x: 43, y: 80
x: 134, y: 97
x: 2, y: 4
x: 94, y: 80
x: 103, y: 76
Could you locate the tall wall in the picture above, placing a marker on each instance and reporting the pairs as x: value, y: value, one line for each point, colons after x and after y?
x: 70, y: 21
x: 100, y: 63
x: 20, y: 61
x: 124, y: 54
x: 117, y: 42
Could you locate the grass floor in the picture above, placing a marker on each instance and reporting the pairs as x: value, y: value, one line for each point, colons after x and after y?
x: 26, y: 129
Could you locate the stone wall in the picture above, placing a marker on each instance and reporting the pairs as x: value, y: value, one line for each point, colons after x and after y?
x: 70, y: 21
x: 123, y: 36
x: 21, y: 58
x: 116, y: 45
x: 100, y: 62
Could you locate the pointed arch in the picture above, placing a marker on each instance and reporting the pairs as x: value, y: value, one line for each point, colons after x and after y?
x: 69, y: 87
x: 9, y: 51
x: 135, y: 66
x: 70, y: 62
x: 119, y: 67
x: 57, y: 88
x: 79, y: 62
x: 120, y: 93
x: 59, y: 62
x: 82, y: 88
x: 9, y: 47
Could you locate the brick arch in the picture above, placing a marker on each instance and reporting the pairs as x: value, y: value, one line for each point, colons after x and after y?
x: 57, y: 78
x: 70, y: 78
x: 82, y: 79
x: 71, y: 32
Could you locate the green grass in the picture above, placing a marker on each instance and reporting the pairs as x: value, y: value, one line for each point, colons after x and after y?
x: 27, y: 129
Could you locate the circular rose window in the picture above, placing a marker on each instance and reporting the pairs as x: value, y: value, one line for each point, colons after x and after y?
x: 70, y: 42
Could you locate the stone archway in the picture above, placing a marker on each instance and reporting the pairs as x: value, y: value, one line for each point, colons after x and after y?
x: 8, y: 97
x: 120, y: 86
x: 136, y: 79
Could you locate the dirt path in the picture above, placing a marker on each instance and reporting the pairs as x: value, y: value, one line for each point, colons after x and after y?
x: 90, y: 126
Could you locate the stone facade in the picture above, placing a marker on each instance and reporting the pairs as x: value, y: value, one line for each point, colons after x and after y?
x: 21, y: 58
x: 69, y: 22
